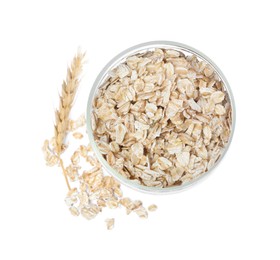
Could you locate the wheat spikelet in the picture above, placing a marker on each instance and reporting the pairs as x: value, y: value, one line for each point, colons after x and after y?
x: 69, y: 89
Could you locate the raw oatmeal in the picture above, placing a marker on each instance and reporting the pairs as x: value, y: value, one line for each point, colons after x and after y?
x: 162, y: 118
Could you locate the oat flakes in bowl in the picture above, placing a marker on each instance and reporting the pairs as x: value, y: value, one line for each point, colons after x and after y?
x: 160, y: 116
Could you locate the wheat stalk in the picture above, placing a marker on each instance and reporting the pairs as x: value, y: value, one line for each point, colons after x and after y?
x: 67, y: 97
x: 69, y: 90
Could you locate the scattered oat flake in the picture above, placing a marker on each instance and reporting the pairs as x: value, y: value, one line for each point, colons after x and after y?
x: 89, y: 213
x: 152, y: 208
x: 74, y: 211
x: 78, y: 135
x: 110, y: 223
x: 141, y: 212
x: 75, y: 124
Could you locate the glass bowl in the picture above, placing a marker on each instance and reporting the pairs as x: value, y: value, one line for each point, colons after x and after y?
x: 104, y: 74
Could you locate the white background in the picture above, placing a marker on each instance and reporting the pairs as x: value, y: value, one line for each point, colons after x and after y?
x: 232, y: 214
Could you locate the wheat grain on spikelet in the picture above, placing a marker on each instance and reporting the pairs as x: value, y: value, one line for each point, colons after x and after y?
x: 69, y: 90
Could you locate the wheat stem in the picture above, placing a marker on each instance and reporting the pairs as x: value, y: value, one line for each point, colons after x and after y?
x: 67, y: 97
x: 64, y: 173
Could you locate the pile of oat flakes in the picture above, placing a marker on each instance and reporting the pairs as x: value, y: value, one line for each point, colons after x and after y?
x: 162, y: 118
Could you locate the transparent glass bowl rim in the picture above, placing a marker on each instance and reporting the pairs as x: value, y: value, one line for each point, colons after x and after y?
x: 121, y: 58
